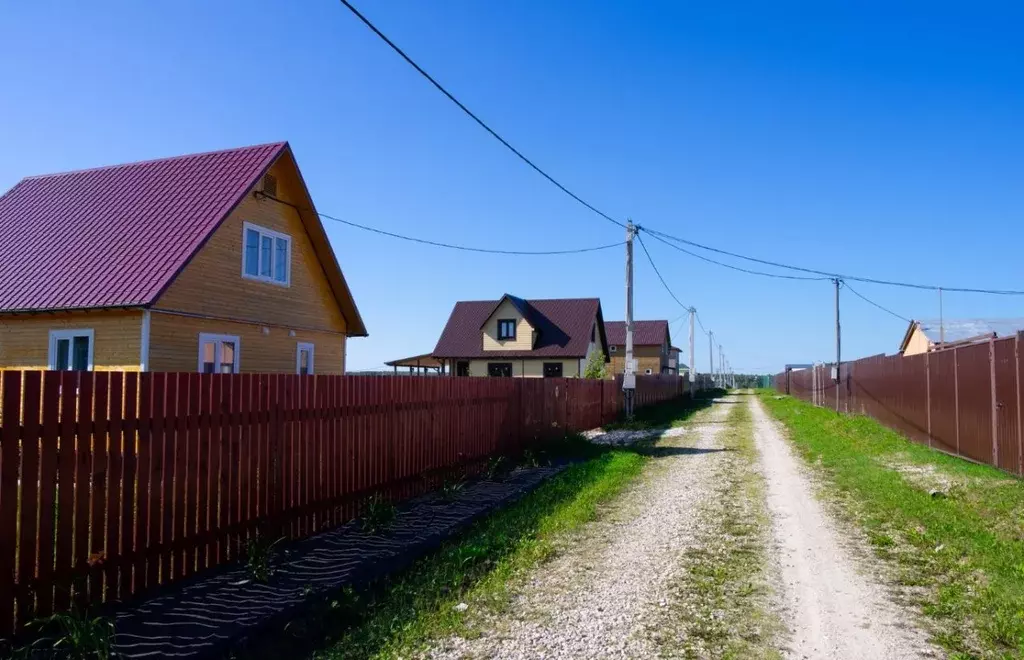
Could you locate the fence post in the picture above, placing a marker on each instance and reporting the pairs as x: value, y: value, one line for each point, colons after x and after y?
x: 995, y: 405
x: 956, y: 395
x: 928, y: 392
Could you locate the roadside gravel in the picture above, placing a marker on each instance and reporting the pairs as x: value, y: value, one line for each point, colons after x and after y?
x: 593, y: 600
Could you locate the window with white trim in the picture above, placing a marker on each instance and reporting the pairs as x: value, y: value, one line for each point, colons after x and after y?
x: 613, y: 348
x: 71, y: 350
x: 304, y: 358
x: 648, y: 372
x: 266, y: 255
x: 218, y: 354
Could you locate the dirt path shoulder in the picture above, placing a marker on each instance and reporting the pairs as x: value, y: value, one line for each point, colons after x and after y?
x: 833, y: 608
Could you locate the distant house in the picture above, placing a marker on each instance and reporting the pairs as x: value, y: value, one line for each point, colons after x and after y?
x: 513, y: 337
x: 675, y: 364
x: 651, y: 344
x: 925, y: 336
x: 215, y: 262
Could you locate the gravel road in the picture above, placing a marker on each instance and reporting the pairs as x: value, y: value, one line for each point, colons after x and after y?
x: 593, y: 600
x: 834, y: 611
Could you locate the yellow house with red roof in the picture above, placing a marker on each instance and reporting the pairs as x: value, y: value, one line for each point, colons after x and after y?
x: 213, y: 262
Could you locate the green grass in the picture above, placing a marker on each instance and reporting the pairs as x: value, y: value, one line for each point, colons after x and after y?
x: 661, y: 415
x: 720, y: 600
x: 958, y: 556
x: 404, y: 614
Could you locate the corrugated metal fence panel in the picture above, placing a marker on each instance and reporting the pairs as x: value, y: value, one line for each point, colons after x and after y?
x: 974, y: 381
x: 943, y: 393
x: 1007, y: 400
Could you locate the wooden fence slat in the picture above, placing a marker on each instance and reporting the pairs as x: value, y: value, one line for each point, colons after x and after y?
x: 10, y: 387
x: 234, y: 441
x: 192, y: 478
x: 245, y: 453
x: 28, y: 546
x: 162, y: 393
x: 66, y: 486
x: 83, y: 479
x: 174, y: 510
x: 98, y: 520
x: 48, y: 466
x: 147, y: 488
x: 204, y: 459
x: 115, y: 487
x: 218, y: 485
x: 129, y: 447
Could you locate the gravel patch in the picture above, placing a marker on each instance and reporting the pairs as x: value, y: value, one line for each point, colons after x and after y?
x: 833, y: 610
x: 592, y: 601
x: 622, y: 437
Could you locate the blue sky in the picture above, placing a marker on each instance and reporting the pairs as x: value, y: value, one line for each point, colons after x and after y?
x: 877, y: 140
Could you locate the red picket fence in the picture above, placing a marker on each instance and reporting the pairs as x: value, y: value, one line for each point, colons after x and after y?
x: 112, y: 484
x: 965, y: 401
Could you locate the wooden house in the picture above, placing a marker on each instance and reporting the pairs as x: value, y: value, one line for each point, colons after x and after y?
x: 215, y: 262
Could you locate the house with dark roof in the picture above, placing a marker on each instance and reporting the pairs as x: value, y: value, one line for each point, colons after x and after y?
x: 651, y: 347
x: 215, y: 262
x: 513, y: 337
x: 926, y: 336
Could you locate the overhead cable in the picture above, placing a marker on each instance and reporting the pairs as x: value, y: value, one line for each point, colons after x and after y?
x: 465, y: 248
x: 479, y: 121
x: 872, y: 302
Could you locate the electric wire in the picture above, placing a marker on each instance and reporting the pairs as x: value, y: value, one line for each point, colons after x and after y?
x: 872, y: 302
x: 829, y: 275
x: 479, y: 121
x: 465, y: 248
x: 658, y: 273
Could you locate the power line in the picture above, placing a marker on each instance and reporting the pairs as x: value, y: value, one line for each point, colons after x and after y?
x: 829, y: 275
x: 658, y: 273
x: 479, y: 121
x: 658, y: 236
x: 872, y: 302
x: 465, y: 248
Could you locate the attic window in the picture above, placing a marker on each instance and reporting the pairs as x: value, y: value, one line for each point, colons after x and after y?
x: 506, y: 329
x: 266, y: 255
x: 270, y: 185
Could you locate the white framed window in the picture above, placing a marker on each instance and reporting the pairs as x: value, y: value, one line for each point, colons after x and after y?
x: 218, y: 354
x: 648, y: 372
x: 304, y: 358
x: 71, y: 350
x: 266, y: 255
x: 613, y: 348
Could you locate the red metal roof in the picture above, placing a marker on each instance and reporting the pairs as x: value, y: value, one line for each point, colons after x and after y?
x: 116, y: 236
x: 645, y: 333
x: 563, y: 328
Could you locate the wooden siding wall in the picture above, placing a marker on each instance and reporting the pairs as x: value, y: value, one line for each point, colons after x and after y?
x: 174, y: 345
x: 918, y: 343
x: 25, y: 339
x: 114, y: 484
x: 524, y: 331
x: 212, y: 283
x: 647, y: 357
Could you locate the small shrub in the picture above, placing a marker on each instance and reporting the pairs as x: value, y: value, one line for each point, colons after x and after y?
x: 259, y: 557
x: 379, y: 514
x: 71, y: 635
x: 530, y: 459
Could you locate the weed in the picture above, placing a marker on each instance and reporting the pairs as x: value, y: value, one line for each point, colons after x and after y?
x: 259, y: 557
x: 379, y: 515
x: 451, y: 489
x: 71, y: 636
x: 497, y: 468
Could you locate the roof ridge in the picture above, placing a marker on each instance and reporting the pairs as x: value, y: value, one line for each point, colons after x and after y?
x: 149, y: 161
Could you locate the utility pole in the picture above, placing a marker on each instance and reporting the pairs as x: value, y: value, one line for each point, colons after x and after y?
x: 693, y: 367
x: 839, y: 357
x: 629, y: 377
x: 711, y: 357
x: 721, y: 370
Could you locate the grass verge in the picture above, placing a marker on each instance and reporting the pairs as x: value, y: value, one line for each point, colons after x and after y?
x: 662, y: 414
x: 401, y: 616
x: 952, y: 531
x: 719, y: 606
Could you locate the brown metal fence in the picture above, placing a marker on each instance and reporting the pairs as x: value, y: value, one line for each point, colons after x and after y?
x: 112, y: 484
x: 965, y: 401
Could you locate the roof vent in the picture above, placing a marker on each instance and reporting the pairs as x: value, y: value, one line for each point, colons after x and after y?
x: 270, y: 185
